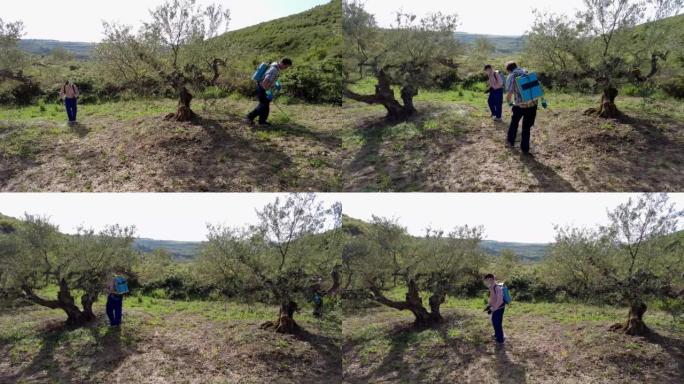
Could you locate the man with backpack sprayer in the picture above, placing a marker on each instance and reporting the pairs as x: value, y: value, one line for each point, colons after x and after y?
x: 266, y: 78
x: 117, y: 288
x: 524, y: 88
x: 499, y: 296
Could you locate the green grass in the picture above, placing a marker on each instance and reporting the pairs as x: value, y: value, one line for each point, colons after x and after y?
x: 124, y: 111
x: 569, y: 313
x: 657, y: 106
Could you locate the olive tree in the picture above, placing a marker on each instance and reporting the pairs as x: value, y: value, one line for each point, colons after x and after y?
x: 408, y: 55
x: 433, y: 264
x: 636, y: 257
x: 176, y: 27
x: 295, y: 244
x: 610, y: 41
x: 10, y: 34
x: 35, y: 256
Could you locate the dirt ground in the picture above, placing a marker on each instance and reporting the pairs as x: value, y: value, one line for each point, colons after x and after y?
x: 447, y: 147
x: 216, y: 153
x: 382, y: 347
x: 572, y: 153
x: 178, y: 348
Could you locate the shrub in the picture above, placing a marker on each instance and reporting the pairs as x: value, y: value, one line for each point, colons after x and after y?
x: 674, y: 87
x: 472, y: 79
x: 25, y: 93
x: 322, y: 84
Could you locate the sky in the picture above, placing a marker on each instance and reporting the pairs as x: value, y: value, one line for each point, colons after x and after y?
x: 81, y: 20
x: 492, y: 17
x: 518, y: 217
x: 527, y: 218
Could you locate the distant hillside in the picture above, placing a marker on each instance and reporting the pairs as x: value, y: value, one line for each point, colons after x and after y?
x: 527, y: 252
x: 180, y: 250
x: 505, y: 45
x: 313, y: 35
x: 45, y: 47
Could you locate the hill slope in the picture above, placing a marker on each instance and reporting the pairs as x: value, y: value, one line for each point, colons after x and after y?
x: 313, y: 35
x: 504, y: 44
x: 179, y: 250
x: 527, y: 252
x: 44, y: 47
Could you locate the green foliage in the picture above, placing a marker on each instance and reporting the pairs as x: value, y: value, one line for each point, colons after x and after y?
x: 312, y: 84
x: 635, y: 258
x: 294, y: 246
x: 36, y: 255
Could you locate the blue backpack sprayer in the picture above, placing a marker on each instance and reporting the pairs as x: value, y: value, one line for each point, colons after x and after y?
x: 259, y: 75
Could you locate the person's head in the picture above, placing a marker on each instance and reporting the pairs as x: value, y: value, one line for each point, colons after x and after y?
x: 489, y: 280
x: 488, y: 69
x: 511, y: 66
x: 285, y: 63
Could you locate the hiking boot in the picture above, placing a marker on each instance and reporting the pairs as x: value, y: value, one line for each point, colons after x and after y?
x: 498, y: 120
x: 528, y: 155
x: 248, y: 121
x: 265, y: 124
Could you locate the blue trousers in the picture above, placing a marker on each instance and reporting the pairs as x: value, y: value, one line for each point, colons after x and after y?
x: 114, y: 309
x: 495, y: 101
x: 263, y: 109
x: 497, y: 322
x: 71, y: 108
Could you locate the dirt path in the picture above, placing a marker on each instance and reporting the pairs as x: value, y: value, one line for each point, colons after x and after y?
x: 538, y: 350
x: 572, y: 153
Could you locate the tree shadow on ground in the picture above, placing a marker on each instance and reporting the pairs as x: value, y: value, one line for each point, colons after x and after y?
x: 106, y: 356
x: 549, y: 180
x: 228, y: 161
x: 332, y: 143
x: 507, y: 371
x: 673, y: 347
x: 327, y: 350
x: 369, y: 169
x: 393, y: 362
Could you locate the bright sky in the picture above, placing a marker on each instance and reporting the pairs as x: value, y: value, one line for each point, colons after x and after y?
x: 81, y: 20
x: 182, y: 217
x: 525, y: 218
x: 506, y: 217
x: 491, y: 17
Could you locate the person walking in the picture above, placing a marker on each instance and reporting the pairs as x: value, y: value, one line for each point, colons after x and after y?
x: 496, y: 308
x: 525, y: 111
x: 69, y: 93
x: 114, y: 303
x: 265, y: 91
x: 495, y: 85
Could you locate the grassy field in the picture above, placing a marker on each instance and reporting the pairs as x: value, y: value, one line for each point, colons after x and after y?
x: 546, y: 343
x: 163, y: 341
x: 453, y: 145
x: 128, y: 146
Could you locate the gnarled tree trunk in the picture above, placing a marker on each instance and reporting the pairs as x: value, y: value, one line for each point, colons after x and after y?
x: 184, y: 112
x: 285, y: 323
x: 414, y: 303
x: 65, y: 301
x: 608, y: 109
x: 635, y: 325
x: 385, y: 95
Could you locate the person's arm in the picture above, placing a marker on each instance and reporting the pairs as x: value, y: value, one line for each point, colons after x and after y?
x: 62, y: 91
x: 76, y: 92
